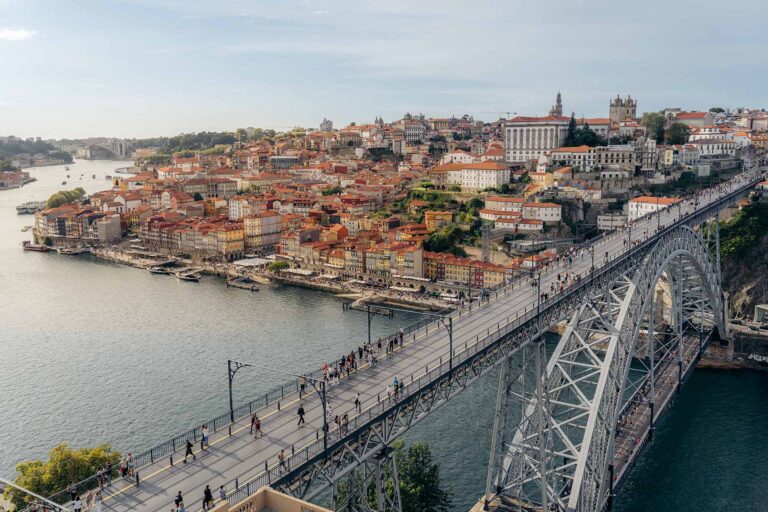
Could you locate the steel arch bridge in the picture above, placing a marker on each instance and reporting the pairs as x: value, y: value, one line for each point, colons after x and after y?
x: 561, y: 453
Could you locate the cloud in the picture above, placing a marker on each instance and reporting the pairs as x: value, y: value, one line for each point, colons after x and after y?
x: 16, y: 34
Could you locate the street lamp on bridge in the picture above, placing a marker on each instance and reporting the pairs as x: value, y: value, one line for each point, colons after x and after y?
x: 318, y: 384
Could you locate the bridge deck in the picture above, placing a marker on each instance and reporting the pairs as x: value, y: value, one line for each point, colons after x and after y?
x: 241, y: 457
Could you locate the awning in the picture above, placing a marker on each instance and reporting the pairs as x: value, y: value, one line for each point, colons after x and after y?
x: 298, y: 271
x: 403, y: 289
x: 252, y: 262
x: 328, y: 276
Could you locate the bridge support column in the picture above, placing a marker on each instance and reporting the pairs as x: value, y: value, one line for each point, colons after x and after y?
x: 372, y: 487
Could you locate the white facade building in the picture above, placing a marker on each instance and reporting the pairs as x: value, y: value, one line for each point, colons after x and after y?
x: 479, y: 176
x: 528, y: 138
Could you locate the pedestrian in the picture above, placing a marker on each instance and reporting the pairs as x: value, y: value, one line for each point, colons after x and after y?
x: 389, y: 392
x: 189, y: 452
x: 88, y: 500
x: 253, y: 420
x: 222, y: 493
x: 97, y: 500
x: 378, y: 343
x: 301, y: 415
x: 179, y: 501
x: 100, y: 477
x: 77, y: 504
x: 203, y: 437
x: 345, y: 424
x: 281, y: 458
x: 129, y: 464
x: 257, y: 428
x: 358, y: 405
x: 72, y: 488
x: 108, y: 474
x: 302, y: 386
x: 207, y: 498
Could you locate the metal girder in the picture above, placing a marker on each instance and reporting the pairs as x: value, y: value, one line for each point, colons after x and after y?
x: 561, y: 460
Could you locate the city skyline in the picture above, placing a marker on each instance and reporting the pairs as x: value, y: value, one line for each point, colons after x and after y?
x: 147, y: 69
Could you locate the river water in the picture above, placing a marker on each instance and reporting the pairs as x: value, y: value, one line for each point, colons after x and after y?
x: 97, y: 352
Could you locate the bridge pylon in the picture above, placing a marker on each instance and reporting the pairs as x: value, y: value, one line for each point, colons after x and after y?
x: 374, y: 486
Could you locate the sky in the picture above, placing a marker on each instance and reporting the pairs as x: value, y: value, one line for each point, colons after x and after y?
x: 141, y: 68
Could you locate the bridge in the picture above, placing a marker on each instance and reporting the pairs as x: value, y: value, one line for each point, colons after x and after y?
x: 640, y: 305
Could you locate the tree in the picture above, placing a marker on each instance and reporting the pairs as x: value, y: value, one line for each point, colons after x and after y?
x: 570, y: 137
x: 444, y: 239
x: 678, y: 133
x: 198, y: 196
x: 505, y: 188
x: 64, y: 196
x: 454, y: 188
x: 333, y: 191
x: 64, y: 466
x: 654, y: 123
x: 276, y: 266
x: 420, y: 486
x: 5, y: 166
x: 717, y: 110
x: 241, y: 134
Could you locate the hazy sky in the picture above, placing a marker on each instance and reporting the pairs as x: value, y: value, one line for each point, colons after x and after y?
x: 133, y: 68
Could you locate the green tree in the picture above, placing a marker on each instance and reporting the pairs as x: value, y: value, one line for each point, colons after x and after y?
x: 454, y: 188
x: 5, y: 166
x: 717, y: 110
x: 198, y: 196
x: 570, y: 137
x: 678, y: 133
x: 505, y: 188
x: 333, y: 191
x: 654, y: 123
x: 64, y: 196
x: 444, y: 239
x: 277, y: 265
x: 420, y: 487
x: 64, y: 466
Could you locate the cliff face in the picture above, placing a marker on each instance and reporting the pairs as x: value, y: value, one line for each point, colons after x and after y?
x: 744, y: 259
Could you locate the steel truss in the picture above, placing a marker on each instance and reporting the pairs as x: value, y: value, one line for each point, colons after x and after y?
x: 555, y: 426
x: 368, y: 483
x: 585, y: 383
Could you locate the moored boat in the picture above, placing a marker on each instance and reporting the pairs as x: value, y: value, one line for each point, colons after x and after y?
x: 29, y: 246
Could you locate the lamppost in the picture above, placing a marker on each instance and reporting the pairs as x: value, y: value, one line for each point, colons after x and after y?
x: 318, y: 384
x: 446, y: 320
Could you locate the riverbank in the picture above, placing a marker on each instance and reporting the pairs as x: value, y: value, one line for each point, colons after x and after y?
x: 713, y: 364
x: 340, y: 287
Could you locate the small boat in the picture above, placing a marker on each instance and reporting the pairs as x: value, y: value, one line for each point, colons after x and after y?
x: 66, y: 169
x: 159, y: 270
x: 243, y: 282
x: 73, y: 251
x: 194, y: 277
x: 108, y: 177
x: 94, y: 176
x: 25, y: 229
x: 67, y: 175
x: 63, y: 182
x: 29, y: 246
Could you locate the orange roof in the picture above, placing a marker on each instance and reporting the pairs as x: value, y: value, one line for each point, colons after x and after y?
x: 488, y: 165
x: 503, y: 199
x: 572, y: 149
x: 541, y: 205
x: 691, y: 115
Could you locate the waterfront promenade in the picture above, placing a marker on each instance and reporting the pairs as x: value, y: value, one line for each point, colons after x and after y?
x: 239, y: 457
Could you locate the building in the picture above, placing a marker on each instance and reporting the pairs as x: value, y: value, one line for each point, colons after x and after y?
x: 620, y: 110
x: 434, y: 220
x: 478, y: 176
x: 528, y: 138
x: 640, y: 206
x: 715, y: 147
x: 262, y: 232
x: 326, y: 125
x: 695, y: 119
x: 548, y: 213
x: 611, y: 221
x: 557, y: 108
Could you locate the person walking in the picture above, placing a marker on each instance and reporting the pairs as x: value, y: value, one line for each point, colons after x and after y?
x: 207, y: 498
x: 88, y: 500
x: 179, y: 500
x: 189, y: 452
x: 281, y: 459
x: 253, y: 420
x: 203, y: 437
x: 222, y: 493
x: 77, y: 504
x: 389, y: 392
x: 302, y: 386
x: 257, y: 428
x: 98, y: 501
x: 358, y: 405
x: 72, y: 488
x: 301, y: 415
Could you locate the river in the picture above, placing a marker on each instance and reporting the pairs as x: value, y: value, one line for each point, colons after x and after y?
x: 97, y: 352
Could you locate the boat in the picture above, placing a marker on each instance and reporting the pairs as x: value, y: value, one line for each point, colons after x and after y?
x: 94, y: 176
x: 74, y: 251
x: 245, y: 283
x: 156, y: 269
x: 67, y: 175
x: 29, y: 246
x: 30, y: 207
x: 26, y: 228
x: 108, y: 177
x: 66, y: 169
x: 63, y: 182
x: 188, y: 274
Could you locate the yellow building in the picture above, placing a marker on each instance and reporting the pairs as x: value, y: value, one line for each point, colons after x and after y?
x: 437, y: 219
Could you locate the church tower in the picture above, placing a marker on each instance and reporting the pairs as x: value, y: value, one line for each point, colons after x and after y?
x: 557, y: 108
x: 621, y: 110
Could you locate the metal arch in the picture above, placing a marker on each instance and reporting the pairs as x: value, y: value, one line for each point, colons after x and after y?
x: 584, y: 386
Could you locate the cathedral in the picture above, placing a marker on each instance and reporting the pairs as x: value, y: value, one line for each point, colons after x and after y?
x: 621, y: 110
x: 557, y: 108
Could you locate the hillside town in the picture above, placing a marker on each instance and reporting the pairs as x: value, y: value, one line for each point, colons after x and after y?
x: 449, y: 206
